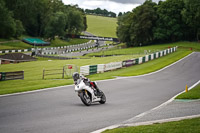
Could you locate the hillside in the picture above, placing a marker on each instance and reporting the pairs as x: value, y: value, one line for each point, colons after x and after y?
x: 102, y: 26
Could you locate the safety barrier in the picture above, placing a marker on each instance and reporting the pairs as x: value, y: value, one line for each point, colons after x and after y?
x: 100, y: 68
x: 11, y: 75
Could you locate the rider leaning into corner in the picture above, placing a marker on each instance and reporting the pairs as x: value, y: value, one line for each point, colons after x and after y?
x: 87, y: 81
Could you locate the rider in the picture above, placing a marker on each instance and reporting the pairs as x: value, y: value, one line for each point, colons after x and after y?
x: 87, y: 81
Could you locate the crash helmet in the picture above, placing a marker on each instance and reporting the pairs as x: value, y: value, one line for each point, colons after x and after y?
x: 76, y: 76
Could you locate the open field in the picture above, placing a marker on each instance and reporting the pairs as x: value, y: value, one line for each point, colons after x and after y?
x: 102, y: 26
x: 183, y: 126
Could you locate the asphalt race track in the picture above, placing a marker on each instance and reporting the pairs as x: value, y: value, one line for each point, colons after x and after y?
x: 61, y: 111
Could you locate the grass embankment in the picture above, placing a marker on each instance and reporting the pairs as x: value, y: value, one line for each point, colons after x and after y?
x: 102, y: 26
x: 147, y: 49
x: 33, y: 70
x: 194, y: 93
x: 55, y: 43
x: 183, y: 126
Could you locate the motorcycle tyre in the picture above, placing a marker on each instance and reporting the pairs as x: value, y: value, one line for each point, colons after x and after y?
x: 82, y: 96
x: 103, y: 98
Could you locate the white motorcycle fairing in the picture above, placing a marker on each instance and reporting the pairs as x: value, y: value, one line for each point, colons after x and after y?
x: 81, y: 86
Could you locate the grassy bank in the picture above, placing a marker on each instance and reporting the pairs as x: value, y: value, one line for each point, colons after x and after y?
x: 55, y: 43
x: 183, y: 126
x: 194, y: 93
x: 102, y: 26
x: 148, y: 49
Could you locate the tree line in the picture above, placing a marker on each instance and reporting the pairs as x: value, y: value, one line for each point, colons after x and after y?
x: 99, y: 11
x: 167, y: 21
x: 41, y: 18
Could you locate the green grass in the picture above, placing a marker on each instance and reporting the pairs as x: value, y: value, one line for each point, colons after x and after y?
x: 33, y: 73
x: 102, y: 26
x: 14, y: 45
x: 54, y: 43
x: 183, y: 126
x: 59, y: 42
x: 194, y: 93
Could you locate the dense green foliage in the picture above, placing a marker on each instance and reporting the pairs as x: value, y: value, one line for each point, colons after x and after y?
x: 167, y: 21
x: 101, y: 12
x: 43, y: 18
x: 7, y: 23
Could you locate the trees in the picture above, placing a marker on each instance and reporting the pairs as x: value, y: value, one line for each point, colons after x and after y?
x: 167, y: 21
x: 141, y: 30
x: 120, y: 14
x: 56, y: 25
x: 136, y: 27
x: 169, y: 25
x: 9, y: 26
x: 191, y: 15
x: 44, y: 18
x: 75, y: 23
x: 7, y: 22
x: 99, y: 11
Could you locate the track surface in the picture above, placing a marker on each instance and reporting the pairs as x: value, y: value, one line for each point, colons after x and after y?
x: 60, y: 110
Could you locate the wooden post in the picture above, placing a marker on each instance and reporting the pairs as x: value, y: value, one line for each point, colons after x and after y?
x: 23, y: 74
x: 63, y: 73
x: 43, y: 73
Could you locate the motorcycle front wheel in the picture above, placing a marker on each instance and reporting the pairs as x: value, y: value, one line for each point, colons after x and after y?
x: 86, y: 98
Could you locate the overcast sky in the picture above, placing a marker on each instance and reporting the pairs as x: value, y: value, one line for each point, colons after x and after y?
x: 110, y: 5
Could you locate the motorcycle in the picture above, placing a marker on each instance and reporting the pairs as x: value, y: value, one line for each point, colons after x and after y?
x: 88, y: 93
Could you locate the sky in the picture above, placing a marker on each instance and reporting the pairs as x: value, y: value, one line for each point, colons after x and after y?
x: 110, y: 5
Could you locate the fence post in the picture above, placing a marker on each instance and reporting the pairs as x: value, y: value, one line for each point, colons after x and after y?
x: 23, y: 74
x: 43, y: 73
x: 63, y: 73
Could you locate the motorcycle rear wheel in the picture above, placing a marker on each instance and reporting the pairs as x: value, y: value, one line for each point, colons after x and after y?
x: 86, y: 98
x: 103, y: 98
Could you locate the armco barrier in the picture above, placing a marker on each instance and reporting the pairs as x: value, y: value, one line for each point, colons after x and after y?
x: 93, y: 69
x: 100, y: 68
x: 84, y: 70
x: 113, y: 65
x: 128, y: 63
x: 146, y: 58
x: 87, y: 70
x: 140, y: 60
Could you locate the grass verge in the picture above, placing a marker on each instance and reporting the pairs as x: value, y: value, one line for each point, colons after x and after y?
x: 194, y: 93
x: 183, y: 126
